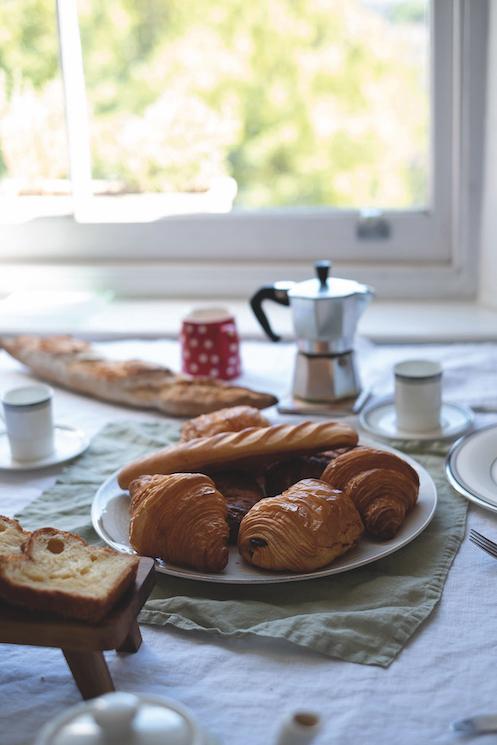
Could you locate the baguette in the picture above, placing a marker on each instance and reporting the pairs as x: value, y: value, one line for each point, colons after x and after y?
x: 12, y: 537
x: 76, y: 365
x: 58, y: 572
x: 238, y: 449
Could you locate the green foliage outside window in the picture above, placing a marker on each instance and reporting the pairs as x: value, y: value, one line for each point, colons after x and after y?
x: 303, y: 102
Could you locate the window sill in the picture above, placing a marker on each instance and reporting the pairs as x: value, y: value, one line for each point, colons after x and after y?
x: 383, y: 322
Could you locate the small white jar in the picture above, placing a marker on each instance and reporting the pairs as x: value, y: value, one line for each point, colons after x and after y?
x: 418, y: 395
x: 27, y: 411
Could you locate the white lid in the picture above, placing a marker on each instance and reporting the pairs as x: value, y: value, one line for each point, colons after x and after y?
x: 123, y: 719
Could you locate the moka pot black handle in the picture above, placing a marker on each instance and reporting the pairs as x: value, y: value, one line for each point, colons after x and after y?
x: 278, y: 293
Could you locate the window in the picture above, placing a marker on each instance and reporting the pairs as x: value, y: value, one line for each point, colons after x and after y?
x: 246, y: 134
x: 34, y: 162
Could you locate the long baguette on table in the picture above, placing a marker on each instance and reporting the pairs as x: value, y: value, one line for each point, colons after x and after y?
x: 74, y: 364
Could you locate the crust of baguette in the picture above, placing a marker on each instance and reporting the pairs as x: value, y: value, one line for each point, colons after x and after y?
x: 74, y: 364
x: 70, y: 605
x: 239, y: 449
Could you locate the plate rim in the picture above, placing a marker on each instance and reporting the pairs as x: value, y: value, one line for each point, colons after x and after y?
x: 428, y: 437
x: 451, y: 476
x: 49, y: 461
x: 191, y: 574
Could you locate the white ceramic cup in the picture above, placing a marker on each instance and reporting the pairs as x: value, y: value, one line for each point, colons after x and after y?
x: 27, y: 412
x: 418, y: 395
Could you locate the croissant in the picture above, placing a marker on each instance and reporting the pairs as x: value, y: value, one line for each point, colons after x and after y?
x: 383, y: 487
x: 180, y: 518
x: 231, y: 419
x: 301, y: 530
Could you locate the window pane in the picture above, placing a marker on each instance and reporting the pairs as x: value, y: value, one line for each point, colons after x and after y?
x: 33, y: 146
x: 257, y: 104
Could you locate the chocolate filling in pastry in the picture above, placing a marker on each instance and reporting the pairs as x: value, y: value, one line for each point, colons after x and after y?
x: 283, y: 474
x: 241, y: 492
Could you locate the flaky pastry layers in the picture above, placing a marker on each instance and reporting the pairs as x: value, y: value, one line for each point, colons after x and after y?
x: 235, y: 449
x: 231, y: 419
x: 180, y: 518
x: 383, y: 487
x: 303, y: 529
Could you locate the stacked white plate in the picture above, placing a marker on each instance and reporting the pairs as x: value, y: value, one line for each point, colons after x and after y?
x: 471, y: 467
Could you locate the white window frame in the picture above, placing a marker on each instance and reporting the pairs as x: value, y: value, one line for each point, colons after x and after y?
x: 431, y: 253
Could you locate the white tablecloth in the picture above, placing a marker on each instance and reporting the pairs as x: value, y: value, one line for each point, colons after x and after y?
x: 240, y: 689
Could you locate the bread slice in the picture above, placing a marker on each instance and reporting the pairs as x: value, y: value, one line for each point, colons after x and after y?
x: 12, y: 536
x: 59, y: 572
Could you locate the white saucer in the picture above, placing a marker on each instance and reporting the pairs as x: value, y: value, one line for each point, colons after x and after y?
x: 380, y: 420
x: 69, y: 442
x: 471, y: 467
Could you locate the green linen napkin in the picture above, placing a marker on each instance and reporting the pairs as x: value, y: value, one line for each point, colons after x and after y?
x: 366, y: 615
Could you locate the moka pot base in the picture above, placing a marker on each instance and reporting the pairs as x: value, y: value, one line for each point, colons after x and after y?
x: 325, y: 378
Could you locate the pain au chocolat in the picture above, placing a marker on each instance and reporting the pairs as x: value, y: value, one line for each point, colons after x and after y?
x: 303, y: 529
x: 383, y: 487
x: 282, y: 474
x: 234, y: 449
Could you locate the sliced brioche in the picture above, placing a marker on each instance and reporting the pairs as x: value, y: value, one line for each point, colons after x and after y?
x: 12, y: 536
x: 59, y: 572
x: 241, y: 448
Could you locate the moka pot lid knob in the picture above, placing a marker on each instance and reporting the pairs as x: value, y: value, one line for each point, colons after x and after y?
x: 326, y: 287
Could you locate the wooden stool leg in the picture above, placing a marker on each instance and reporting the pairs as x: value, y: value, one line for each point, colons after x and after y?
x: 133, y: 641
x: 90, y: 672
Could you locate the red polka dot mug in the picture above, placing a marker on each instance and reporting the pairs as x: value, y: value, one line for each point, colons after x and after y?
x: 210, y: 346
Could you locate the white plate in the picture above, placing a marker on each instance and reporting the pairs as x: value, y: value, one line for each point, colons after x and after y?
x: 471, y: 467
x: 110, y: 517
x: 69, y: 442
x: 379, y: 419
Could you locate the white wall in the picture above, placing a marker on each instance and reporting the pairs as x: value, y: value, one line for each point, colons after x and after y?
x: 488, y: 263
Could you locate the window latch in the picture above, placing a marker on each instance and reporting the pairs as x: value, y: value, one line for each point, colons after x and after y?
x: 372, y: 225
